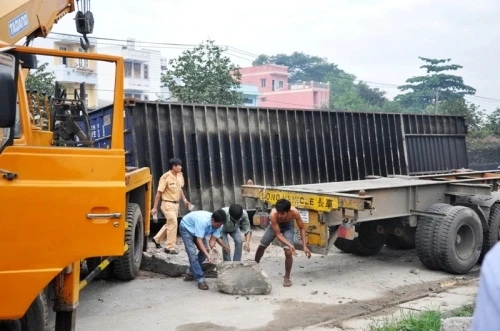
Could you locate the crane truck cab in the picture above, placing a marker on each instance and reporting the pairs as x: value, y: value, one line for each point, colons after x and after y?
x: 62, y: 204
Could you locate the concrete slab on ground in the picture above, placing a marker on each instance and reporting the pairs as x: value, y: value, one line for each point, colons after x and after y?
x: 446, y: 301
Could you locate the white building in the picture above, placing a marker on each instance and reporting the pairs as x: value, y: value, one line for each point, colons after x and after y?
x: 142, y: 73
x: 72, y: 72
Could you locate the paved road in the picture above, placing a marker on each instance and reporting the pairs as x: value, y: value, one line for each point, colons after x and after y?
x: 336, y: 285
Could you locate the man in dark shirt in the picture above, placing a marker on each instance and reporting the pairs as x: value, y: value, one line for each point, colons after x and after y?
x: 236, y: 217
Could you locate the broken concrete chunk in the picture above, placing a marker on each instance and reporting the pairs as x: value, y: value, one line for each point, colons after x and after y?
x: 456, y: 324
x: 163, y: 264
x: 242, y: 278
x: 172, y: 265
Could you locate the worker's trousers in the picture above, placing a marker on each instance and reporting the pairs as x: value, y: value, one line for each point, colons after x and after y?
x: 238, y: 245
x: 195, y: 258
x: 169, y: 230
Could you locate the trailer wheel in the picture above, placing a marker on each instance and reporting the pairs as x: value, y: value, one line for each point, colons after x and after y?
x: 105, y: 274
x: 369, y: 241
x: 345, y: 245
x: 127, y: 266
x: 459, y: 240
x: 424, y: 242
x: 406, y: 241
x: 491, y: 235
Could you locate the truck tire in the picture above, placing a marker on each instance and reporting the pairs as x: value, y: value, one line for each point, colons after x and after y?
x: 127, y: 266
x: 407, y: 241
x: 459, y: 240
x: 345, y: 245
x: 424, y: 242
x: 492, y: 234
x: 37, y: 316
x: 369, y: 241
x: 105, y: 274
x: 35, y: 319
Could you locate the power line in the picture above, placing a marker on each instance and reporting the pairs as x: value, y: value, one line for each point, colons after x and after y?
x: 242, y: 54
x: 163, y: 44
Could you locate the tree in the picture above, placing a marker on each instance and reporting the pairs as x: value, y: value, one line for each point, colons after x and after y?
x: 204, y: 75
x: 302, y: 67
x: 372, y: 96
x: 41, y: 80
x: 436, y: 86
x: 493, y: 122
x: 473, y: 115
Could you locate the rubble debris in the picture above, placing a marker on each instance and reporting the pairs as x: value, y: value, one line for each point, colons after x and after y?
x: 163, y: 263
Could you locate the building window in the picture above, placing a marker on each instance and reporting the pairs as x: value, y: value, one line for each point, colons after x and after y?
x: 64, y: 59
x: 146, y: 97
x: 248, y: 101
x: 137, y: 70
x: 280, y: 84
x: 146, y: 71
x: 128, y: 70
x: 83, y: 62
x: 273, y: 84
x: 137, y: 96
x: 263, y: 82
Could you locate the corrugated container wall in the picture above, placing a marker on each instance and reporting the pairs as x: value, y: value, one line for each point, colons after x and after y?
x: 223, y: 147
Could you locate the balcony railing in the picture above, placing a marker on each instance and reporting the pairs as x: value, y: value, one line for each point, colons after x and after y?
x: 135, y: 55
x: 75, y: 74
x: 308, y: 85
x: 132, y: 83
x: 301, y: 86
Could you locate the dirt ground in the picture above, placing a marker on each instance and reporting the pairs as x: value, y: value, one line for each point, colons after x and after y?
x: 337, y: 286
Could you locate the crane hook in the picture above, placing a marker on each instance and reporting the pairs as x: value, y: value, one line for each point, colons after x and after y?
x: 84, y: 42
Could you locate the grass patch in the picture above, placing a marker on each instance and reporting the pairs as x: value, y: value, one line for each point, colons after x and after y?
x: 465, y: 311
x: 426, y: 321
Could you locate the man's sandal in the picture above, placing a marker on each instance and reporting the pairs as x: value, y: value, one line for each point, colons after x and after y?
x: 203, y: 286
x: 187, y: 277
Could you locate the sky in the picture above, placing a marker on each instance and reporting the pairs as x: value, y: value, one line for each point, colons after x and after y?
x: 379, y: 41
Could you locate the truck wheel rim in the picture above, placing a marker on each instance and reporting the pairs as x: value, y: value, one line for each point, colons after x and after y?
x: 465, y: 242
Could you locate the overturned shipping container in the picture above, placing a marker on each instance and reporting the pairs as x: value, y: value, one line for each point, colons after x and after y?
x: 223, y: 147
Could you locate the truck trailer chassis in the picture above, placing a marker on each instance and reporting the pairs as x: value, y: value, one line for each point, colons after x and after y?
x: 451, y: 219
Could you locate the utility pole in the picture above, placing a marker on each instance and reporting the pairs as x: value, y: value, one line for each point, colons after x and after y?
x: 437, y: 101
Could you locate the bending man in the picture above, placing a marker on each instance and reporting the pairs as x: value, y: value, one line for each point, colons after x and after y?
x: 194, y: 228
x: 282, y: 219
x: 236, y: 217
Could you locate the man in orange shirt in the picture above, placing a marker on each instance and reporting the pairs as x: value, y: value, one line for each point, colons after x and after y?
x: 169, y: 192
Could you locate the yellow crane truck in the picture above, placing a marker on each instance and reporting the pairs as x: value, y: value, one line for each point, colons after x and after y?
x: 62, y: 200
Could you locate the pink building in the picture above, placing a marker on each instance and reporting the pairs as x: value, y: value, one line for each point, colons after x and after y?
x: 276, y: 92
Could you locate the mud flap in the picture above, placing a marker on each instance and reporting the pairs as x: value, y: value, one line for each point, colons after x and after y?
x: 316, y: 232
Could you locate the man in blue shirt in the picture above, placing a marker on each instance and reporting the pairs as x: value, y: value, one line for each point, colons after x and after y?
x: 194, y: 229
x: 487, y: 311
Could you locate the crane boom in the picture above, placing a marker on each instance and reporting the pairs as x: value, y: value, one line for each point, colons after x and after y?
x: 35, y: 18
